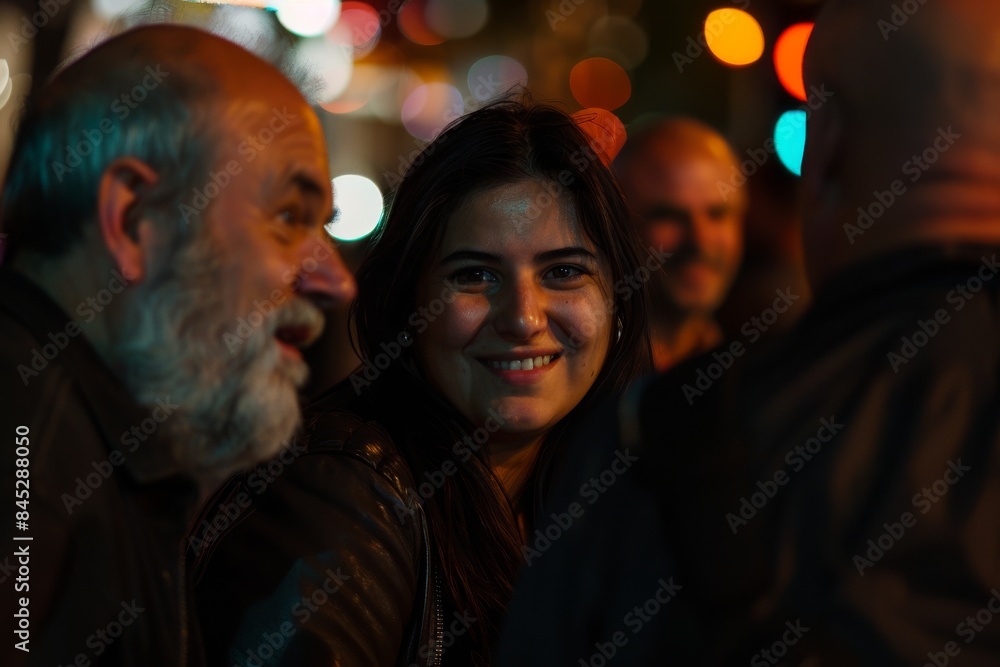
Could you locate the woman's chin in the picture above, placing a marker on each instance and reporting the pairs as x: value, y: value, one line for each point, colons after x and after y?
x: 523, y: 418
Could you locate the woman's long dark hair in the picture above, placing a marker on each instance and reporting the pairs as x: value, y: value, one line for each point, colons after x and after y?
x: 471, y: 520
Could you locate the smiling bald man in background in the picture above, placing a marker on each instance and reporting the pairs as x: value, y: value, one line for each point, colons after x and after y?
x: 833, y: 499
x: 671, y: 171
x: 166, y: 257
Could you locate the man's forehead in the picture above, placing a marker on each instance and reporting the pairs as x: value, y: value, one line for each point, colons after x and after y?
x: 692, y: 171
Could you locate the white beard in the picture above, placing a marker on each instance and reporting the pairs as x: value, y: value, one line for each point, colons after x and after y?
x: 238, y: 404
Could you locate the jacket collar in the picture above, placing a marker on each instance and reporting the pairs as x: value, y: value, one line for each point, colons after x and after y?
x: 902, y: 267
x: 61, y: 341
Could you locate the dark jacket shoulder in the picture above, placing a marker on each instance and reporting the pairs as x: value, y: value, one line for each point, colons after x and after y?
x: 325, y: 543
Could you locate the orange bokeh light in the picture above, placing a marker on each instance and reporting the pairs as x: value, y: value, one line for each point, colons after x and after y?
x: 789, y: 51
x: 600, y: 82
x: 605, y: 131
x: 413, y: 24
x: 734, y: 36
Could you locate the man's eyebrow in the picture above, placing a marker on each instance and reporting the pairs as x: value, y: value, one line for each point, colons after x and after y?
x: 307, y: 184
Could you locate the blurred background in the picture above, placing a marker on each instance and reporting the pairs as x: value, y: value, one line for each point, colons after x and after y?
x: 388, y: 75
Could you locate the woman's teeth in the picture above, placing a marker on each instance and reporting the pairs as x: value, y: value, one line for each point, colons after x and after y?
x: 523, y: 364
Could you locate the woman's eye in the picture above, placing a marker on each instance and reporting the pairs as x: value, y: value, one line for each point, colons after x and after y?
x: 566, y: 272
x: 473, y: 277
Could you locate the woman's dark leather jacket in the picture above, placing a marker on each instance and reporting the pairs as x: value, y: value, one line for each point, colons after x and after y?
x: 343, y: 496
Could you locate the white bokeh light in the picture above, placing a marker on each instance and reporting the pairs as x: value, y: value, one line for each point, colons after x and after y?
x: 358, y: 204
x: 430, y: 107
x: 5, y: 82
x: 328, y: 63
x: 110, y: 9
x: 308, y: 18
x: 251, y: 28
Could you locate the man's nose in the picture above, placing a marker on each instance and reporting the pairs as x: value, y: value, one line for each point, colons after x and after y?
x: 324, y: 277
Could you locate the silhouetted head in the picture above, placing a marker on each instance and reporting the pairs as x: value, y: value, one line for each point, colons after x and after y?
x: 907, y: 149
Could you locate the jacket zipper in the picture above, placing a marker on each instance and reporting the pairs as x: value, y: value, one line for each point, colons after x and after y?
x: 182, y: 585
x: 438, y: 621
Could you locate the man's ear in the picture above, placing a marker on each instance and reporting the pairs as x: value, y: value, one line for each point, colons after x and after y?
x: 126, y: 236
x: 822, y: 189
x: 823, y: 157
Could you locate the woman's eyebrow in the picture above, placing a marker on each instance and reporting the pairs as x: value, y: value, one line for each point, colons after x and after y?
x: 477, y: 255
x: 561, y: 253
x: 547, y: 256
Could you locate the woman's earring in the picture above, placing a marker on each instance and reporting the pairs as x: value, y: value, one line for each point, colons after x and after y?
x: 405, y: 338
x: 620, y: 327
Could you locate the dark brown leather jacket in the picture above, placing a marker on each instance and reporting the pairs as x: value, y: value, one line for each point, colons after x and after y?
x: 322, y: 556
x: 828, y: 499
x: 97, y: 562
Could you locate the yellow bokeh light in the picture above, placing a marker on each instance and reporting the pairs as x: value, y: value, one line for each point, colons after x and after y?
x: 734, y: 37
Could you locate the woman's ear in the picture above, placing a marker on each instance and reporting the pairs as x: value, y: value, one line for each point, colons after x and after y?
x: 125, y: 235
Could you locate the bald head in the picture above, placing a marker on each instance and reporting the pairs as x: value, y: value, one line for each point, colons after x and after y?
x: 220, y: 69
x: 907, y: 149
x: 171, y: 96
x: 666, y: 151
x: 680, y: 177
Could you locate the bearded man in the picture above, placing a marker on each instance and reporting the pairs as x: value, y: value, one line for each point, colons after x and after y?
x: 166, y: 258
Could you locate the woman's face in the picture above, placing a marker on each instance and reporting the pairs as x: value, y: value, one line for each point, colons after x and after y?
x: 511, y: 312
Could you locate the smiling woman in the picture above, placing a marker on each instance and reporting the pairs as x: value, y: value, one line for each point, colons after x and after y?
x: 490, y: 290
